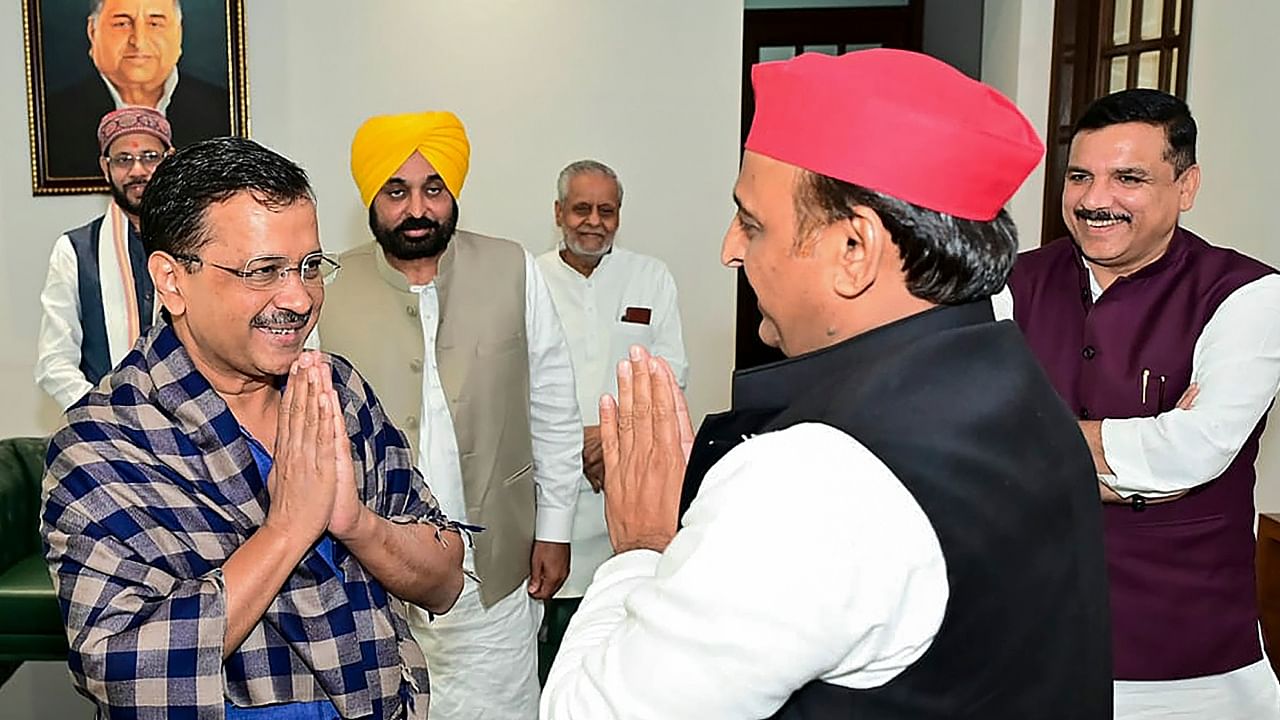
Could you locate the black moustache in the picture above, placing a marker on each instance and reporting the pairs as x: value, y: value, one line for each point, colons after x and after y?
x: 284, y: 317
x: 417, y: 224
x: 1101, y: 216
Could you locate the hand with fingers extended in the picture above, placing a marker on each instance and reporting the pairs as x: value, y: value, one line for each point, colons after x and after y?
x: 646, y: 437
x: 301, y: 483
x: 350, y: 516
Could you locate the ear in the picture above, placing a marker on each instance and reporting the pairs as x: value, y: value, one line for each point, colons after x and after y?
x: 558, y: 223
x: 105, y: 164
x: 89, y: 29
x: 863, y: 243
x: 1188, y: 186
x: 166, y: 276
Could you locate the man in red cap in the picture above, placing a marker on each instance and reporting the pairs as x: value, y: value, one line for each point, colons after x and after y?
x: 900, y: 519
x: 98, y: 298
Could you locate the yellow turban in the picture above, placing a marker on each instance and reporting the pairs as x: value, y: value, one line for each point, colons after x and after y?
x: 384, y: 142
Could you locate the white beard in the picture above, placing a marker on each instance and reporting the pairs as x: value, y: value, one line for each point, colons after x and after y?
x: 580, y: 251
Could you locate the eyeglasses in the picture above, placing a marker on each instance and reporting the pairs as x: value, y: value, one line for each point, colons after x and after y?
x: 124, y: 161
x: 268, y: 272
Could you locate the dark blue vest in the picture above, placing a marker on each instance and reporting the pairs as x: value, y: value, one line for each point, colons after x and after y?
x: 95, y: 358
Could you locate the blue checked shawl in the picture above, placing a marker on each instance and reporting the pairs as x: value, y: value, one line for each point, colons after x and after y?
x: 149, y: 488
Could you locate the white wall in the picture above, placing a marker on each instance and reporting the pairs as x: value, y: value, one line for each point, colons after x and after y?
x: 651, y: 88
x: 1017, y: 52
x: 1232, y: 93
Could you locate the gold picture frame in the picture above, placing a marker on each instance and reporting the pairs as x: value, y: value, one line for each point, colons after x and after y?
x: 77, y: 49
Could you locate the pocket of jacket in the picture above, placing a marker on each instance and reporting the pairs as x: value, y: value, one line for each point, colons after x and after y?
x: 515, y: 477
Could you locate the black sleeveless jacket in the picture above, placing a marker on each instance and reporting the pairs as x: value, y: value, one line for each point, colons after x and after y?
x: 958, y: 408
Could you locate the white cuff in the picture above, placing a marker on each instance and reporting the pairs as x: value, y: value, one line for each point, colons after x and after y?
x: 553, y: 524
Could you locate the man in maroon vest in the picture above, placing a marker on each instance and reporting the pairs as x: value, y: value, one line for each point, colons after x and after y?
x: 1168, y: 350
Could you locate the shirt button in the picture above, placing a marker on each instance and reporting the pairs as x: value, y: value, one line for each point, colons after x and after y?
x: 411, y: 421
x: 1084, y: 413
x: 415, y: 365
x: 412, y: 310
x: 1088, y: 352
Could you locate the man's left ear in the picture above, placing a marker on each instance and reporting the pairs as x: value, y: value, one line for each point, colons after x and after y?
x: 862, y: 240
x: 1188, y: 186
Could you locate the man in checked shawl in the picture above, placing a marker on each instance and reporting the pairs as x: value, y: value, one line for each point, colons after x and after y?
x: 232, y: 523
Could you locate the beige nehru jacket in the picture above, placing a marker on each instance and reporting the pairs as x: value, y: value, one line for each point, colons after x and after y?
x: 371, y: 318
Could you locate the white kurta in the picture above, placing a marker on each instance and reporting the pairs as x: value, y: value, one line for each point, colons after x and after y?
x: 484, y: 661
x: 1236, y: 363
x: 592, y: 310
x: 737, y: 614
x: 57, y: 370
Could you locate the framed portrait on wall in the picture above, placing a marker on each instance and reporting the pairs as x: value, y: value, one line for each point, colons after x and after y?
x: 86, y: 58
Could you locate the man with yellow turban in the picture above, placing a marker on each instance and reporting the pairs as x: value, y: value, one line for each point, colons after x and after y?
x: 458, y: 332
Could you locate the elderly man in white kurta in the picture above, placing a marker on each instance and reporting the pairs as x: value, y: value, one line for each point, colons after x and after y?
x: 459, y: 333
x: 608, y: 299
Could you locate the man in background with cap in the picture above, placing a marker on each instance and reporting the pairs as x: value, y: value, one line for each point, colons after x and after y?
x: 98, y: 297
x: 1168, y: 350
x: 899, y: 520
x: 458, y: 332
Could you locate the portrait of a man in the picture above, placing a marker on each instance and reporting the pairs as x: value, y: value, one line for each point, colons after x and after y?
x: 183, y: 58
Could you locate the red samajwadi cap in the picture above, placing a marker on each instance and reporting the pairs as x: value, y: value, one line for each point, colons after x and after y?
x: 897, y: 122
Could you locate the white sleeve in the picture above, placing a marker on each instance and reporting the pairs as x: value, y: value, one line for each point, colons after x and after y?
x: 743, y: 608
x: 554, y: 420
x: 668, y: 336
x: 1236, y: 363
x: 57, y: 369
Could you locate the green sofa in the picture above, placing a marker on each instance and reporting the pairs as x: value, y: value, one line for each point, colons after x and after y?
x: 30, y: 621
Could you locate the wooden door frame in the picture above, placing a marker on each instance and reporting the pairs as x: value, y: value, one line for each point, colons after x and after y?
x: 899, y: 27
